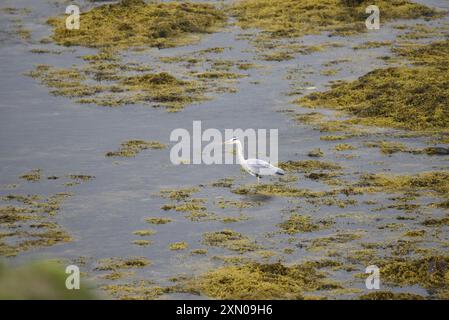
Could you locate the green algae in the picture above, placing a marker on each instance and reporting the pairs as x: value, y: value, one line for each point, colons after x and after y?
x: 298, y: 223
x: 132, y: 147
x: 134, y: 23
x: 261, y: 281
x: 230, y: 240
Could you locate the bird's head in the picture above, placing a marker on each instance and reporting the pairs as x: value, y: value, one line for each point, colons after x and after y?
x: 233, y: 140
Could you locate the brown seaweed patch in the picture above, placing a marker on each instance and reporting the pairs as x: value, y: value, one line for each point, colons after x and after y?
x: 279, y: 189
x: 136, y: 290
x: 33, y: 176
x: 114, y: 264
x: 176, y: 246
x: 132, y: 147
x: 308, y: 165
x: 30, y: 224
x: 223, y: 183
x: 227, y: 203
x: 229, y: 239
x: 144, y: 233
x: 388, y: 295
x: 134, y: 23
x: 85, y: 84
x: 372, y: 44
x: 338, y: 238
x: 178, y: 194
x: 142, y: 242
x: 262, y: 281
x: 392, y: 96
x: 429, y: 272
x: 299, y: 223
x: 435, y: 222
x: 158, y: 220
x: 437, y: 181
x: 316, y: 153
x: 292, y: 18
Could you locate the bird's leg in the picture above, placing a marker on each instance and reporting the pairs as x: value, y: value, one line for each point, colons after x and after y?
x: 258, y: 179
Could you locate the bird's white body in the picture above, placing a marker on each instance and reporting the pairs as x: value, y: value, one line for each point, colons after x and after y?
x: 254, y: 167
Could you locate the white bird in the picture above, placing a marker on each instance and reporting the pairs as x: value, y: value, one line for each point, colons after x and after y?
x: 254, y: 167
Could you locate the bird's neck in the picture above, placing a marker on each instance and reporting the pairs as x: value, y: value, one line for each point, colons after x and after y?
x: 240, y: 152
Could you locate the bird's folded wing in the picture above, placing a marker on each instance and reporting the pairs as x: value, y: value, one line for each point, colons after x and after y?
x: 257, y: 163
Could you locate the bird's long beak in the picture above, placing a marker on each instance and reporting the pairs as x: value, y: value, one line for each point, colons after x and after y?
x: 228, y: 142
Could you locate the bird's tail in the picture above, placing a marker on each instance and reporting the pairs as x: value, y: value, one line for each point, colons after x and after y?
x: 280, y: 172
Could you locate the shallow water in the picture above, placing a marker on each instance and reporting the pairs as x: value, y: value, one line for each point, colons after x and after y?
x: 39, y: 130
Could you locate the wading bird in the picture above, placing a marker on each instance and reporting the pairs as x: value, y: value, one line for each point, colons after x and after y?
x: 254, y: 167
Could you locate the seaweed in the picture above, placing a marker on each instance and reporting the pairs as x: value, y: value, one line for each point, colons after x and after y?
x: 135, y: 23
x: 229, y: 239
x: 292, y: 18
x: 261, y: 281
x: 298, y: 223
x: 132, y: 147
x: 178, y: 246
x: 392, y: 96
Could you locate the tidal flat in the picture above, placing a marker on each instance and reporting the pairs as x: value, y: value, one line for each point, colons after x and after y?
x: 86, y: 118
